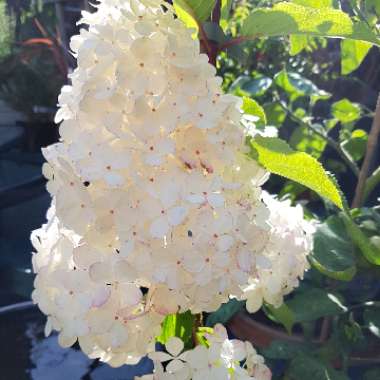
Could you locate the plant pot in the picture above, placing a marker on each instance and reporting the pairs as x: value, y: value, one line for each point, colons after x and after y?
x: 25, y: 354
x: 244, y: 327
x: 261, y: 335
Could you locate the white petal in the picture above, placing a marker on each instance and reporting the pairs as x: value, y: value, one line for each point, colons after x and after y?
x: 153, y: 159
x: 244, y: 260
x: 130, y: 295
x: 193, y: 263
x: 195, y: 198
x: 114, y: 179
x: 159, y: 228
x: 160, y: 356
x: 101, y: 296
x: 127, y: 247
x: 198, y: 357
x: 218, y: 373
x: 225, y: 242
x: 222, y: 259
x: 100, y: 272
x: 234, y: 350
x: 215, y: 200
x: 176, y: 215
x: 254, y: 300
x: 66, y: 341
x: 220, y: 331
x: 174, y: 366
x: 124, y: 272
x: 84, y: 256
x: 174, y: 346
x: 166, y: 146
x: 48, y: 327
x: 263, y: 262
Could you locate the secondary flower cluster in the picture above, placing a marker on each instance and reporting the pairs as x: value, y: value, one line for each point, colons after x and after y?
x: 223, y: 359
x: 156, y: 209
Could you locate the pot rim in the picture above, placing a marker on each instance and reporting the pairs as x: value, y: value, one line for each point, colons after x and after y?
x: 19, y: 306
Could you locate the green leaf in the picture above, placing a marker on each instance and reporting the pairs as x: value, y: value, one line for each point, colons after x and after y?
x: 251, y: 107
x: 278, y: 158
x: 238, y: 53
x: 373, y: 6
x: 214, y: 32
x: 304, y: 367
x: 371, y: 317
x: 331, y: 123
x: 353, y: 53
x: 356, y: 145
x: 333, y: 252
x: 313, y: 303
x: 305, y: 140
x: 374, y: 373
x: 282, y: 315
x: 300, y: 42
x: 193, y: 12
x: 254, y: 86
x: 315, y: 3
x: 225, y: 9
x: 179, y: 325
x: 292, y: 190
x: 200, y: 335
x: 297, y: 43
x: 286, y: 350
x: 276, y: 115
x: 370, y: 251
x: 225, y: 312
x: 296, y: 85
x: 287, y: 18
x: 346, y: 111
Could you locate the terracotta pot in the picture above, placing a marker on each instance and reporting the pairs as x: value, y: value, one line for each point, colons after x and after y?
x: 261, y: 335
x: 244, y: 327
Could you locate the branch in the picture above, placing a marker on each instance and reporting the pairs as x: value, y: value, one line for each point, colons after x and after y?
x: 371, y: 184
x: 236, y: 41
x: 217, y: 12
x: 373, y: 138
x: 212, y: 48
x: 204, y: 39
x: 198, y: 322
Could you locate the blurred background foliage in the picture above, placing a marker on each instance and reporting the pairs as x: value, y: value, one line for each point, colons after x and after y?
x: 320, y: 96
x: 30, y: 72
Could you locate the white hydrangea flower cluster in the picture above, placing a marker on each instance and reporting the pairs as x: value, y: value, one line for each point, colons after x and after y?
x: 284, y: 259
x: 223, y: 359
x: 155, y: 208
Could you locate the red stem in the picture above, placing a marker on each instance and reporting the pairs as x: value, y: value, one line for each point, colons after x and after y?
x: 216, y: 13
x: 212, y: 49
x: 235, y: 41
x: 206, y: 43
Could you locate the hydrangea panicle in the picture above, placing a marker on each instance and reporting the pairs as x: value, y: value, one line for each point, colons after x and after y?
x: 151, y: 189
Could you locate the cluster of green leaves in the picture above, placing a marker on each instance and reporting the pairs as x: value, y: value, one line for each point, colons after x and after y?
x: 346, y: 245
x: 338, y: 293
x: 265, y: 49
